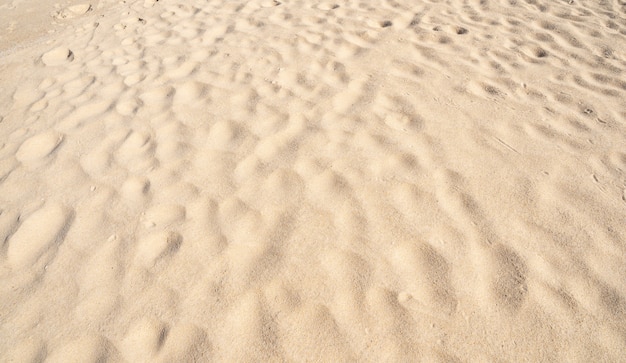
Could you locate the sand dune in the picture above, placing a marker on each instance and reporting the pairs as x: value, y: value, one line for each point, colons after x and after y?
x: 280, y: 180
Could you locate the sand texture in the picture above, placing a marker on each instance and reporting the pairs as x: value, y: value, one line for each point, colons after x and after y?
x: 322, y: 181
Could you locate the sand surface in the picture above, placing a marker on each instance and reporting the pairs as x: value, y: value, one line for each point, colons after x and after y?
x: 283, y: 180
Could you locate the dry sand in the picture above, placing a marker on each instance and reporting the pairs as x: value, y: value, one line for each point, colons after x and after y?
x: 282, y: 180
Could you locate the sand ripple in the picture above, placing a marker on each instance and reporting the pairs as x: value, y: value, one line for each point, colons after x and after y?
x: 327, y: 181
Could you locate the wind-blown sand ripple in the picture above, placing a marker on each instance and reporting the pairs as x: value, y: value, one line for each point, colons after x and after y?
x: 327, y: 181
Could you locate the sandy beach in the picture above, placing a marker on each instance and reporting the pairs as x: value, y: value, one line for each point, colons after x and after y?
x: 313, y: 181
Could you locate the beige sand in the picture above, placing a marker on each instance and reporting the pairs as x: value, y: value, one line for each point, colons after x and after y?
x: 282, y: 180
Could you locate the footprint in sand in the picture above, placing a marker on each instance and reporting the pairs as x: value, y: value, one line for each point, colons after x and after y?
x: 510, y: 286
x: 87, y: 348
x: 505, y: 283
x: 327, y: 6
x: 149, y: 3
x: 158, y: 98
x: 38, y: 147
x: 144, y: 339
x: 103, y: 269
x: 9, y: 220
x: 427, y: 276
x: 164, y: 215
x: 189, y: 93
x: 251, y: 329
x: 29, y: 349
x: 73, y: 11
x: 156, y: 246
x: 39, y: 235
x: 225, y: 136
x: 312, y: 331
x: 184, y: 341
x: 135, y: 191
x: 269, y: 3
x: 352, y: 276
x: 137, y: 150
x: 57, y: 56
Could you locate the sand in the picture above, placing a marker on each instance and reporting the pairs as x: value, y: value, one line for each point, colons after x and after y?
x: 289, y: 181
